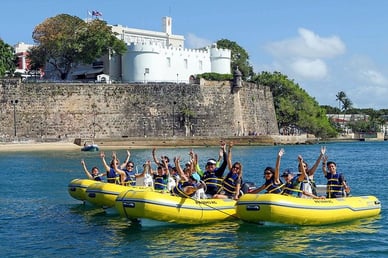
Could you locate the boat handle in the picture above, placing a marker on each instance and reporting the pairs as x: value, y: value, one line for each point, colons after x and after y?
x: 92, y: 195
x: 253, y: 207
x: 128, y: 204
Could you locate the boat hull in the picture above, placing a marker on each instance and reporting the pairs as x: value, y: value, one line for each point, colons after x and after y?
x: 105, y: 194
x: 299, y: 211
x: 167, y: 208
x: 77, y: 188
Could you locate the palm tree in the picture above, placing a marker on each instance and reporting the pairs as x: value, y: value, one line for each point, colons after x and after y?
x: 346, y: 105
x: 340, y: 97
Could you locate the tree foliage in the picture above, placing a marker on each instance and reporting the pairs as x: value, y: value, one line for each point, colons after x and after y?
x: 293, y: 106
x: 7, y: 59
x: 64, y: 41
x: 239, y: 58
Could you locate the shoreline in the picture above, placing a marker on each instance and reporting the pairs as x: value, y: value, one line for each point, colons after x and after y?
x: 148, y: 143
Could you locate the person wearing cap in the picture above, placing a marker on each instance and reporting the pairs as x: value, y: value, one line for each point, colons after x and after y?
x: 272, y: 182
x: 336, y: 186
x: 231, y: 184
x: 194, y: 158
x: 188, y: 183
x: 213, y: 176
x: 293, y: 183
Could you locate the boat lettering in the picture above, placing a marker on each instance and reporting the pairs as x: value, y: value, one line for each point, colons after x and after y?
x: 323, y: 201
x: 206, y: 202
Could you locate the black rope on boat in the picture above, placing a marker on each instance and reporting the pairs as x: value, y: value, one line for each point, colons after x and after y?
x: 231, y: 215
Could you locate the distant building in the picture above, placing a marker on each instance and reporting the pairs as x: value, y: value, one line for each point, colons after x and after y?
x: 23, y: 66
x: 346, y: 118
x: 156, y: 57
x: 23, y: 63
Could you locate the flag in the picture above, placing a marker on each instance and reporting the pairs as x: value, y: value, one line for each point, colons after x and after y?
x: 96, y: 13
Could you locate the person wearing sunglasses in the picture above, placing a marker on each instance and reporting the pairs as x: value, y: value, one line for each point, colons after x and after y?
x: 272, y: 182
x: 231, y: 184
x: 309, y: 186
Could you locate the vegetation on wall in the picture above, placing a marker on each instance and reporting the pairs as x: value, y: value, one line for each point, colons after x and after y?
x: 215, y: 76
x: 239, y: 58
x: 294, y: 107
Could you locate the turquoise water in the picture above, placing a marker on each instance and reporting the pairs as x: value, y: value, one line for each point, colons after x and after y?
x: 38, y: 218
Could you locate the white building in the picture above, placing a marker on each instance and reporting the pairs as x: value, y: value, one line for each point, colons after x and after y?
x: 161, y: 57
x: 21, y: 51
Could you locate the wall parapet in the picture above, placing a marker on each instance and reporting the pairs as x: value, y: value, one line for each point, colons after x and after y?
x: 68, y: 111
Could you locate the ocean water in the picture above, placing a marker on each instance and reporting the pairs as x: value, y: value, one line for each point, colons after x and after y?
x: 38, y: 218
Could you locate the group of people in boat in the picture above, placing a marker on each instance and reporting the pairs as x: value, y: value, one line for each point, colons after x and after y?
x: 211, y: 182
x: 302, y: 184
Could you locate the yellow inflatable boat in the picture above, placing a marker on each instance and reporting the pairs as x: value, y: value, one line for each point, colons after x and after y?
x: 77, y: 188
x: 167, y: 208
x: 299, y: 211
x: 105, y: 194
x: 98, y: 193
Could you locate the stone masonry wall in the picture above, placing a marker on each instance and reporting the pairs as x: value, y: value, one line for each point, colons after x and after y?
x: 63, y: 110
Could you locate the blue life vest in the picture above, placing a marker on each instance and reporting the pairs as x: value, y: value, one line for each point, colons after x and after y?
x: 334, y: 188
x: 97, y: 178
x: 160, y: 182
x: 130, y: 177
x: 230, y: 183
x: 271, y: 187
x: 112, y: 177
x: 213, y: 183
x: 293, y: 187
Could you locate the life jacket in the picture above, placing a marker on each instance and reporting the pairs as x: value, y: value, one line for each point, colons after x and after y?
x: 178, y: 189
x: 130, y: 178
x: 229, y: 184
x: 112, y: 176
x: 334, y: 188
x: 271, y: 187
x: 97, y: 178
x: 213, y: 183
x: 293, y: 187
x: 309, y: 186
x: 160, y: 182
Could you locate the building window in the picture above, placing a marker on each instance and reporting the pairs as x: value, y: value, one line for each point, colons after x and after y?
x: 168, y: 62
x: 186, y: 63
x: 200, y: 65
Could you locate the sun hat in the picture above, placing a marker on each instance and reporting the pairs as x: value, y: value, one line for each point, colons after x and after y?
x: 211, y: 162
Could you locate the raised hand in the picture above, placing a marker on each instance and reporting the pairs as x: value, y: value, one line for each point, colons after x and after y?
x: 281, y: 152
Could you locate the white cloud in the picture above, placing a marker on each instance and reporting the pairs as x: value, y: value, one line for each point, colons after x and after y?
x: 307, y: 45
x: 305, y: 54
x: 192, y: 41
x: 312, y: 69
x: 374, y: 77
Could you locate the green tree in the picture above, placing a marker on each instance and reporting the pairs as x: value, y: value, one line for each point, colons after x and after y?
x: 239, y: 58
x: 293, y: 106
x: 7, y: 59
x: 65, y: 41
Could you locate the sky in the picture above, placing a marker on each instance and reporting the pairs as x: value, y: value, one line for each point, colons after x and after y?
x: 325, y: 46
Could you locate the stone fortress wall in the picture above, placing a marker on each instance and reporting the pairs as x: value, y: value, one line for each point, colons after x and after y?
x: 52, y: 111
